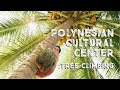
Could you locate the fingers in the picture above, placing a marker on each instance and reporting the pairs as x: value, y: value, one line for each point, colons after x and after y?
x: 57, y: 48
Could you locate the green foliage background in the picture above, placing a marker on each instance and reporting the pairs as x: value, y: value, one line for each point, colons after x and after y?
x: 21, y: 31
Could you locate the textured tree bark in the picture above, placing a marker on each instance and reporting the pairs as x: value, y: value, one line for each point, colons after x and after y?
x: 29, y: 68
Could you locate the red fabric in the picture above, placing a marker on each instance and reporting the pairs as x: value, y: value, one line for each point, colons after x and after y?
x: 45, y: 74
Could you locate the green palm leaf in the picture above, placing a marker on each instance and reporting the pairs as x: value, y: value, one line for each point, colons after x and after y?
x: 17, y: 40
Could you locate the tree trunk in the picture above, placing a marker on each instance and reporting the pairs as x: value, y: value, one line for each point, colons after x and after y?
x: 29, y: 68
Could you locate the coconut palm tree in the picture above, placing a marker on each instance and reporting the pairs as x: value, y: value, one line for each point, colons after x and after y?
x: 25, y: 34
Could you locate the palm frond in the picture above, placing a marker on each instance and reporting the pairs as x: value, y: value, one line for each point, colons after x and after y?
x: 11, y: 26
x: 20, y: 21
x: 20, y: 47
x: 67, y: 57
x: 114, y: 15
x: 91, y: 13
x: 110, y: 73
x: 16, y: 46
x: 110, y: 22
